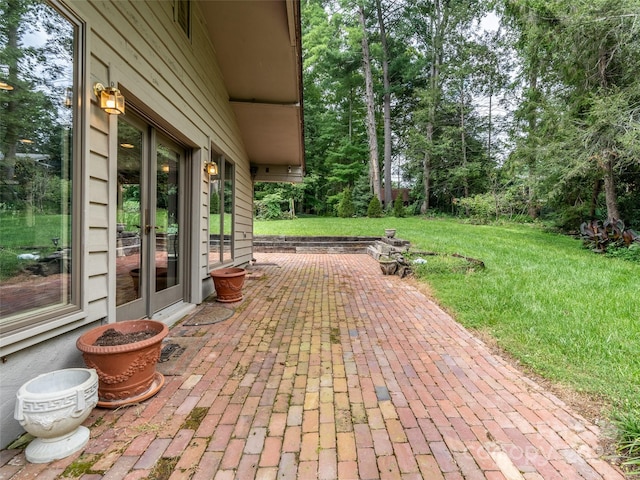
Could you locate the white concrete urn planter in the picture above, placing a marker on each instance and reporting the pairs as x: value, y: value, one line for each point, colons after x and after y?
x: 52, y: 407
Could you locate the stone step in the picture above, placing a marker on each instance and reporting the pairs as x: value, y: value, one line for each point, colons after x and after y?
x: 323, y: 244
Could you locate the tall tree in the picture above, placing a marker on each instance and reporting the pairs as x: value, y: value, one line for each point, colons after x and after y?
x: 435, y: 25
x: 372, y: 131
x: 386, y: 105
x: 589, y: 92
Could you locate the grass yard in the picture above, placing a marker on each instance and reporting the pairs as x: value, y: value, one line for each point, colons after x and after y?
x: 569, y: 315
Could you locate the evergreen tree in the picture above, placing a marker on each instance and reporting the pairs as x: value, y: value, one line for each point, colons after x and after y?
x: 375, y: 208
x: 398, y: 206
x: 345, y: 207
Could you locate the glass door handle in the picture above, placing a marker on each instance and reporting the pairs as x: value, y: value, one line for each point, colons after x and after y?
x: 148, y: 228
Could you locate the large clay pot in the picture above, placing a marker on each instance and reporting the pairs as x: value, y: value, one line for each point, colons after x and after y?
x: 52, y: 407
x: 127, y: 372
x: 228, y: 283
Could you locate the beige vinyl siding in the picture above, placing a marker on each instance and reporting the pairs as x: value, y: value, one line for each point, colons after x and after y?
x: 204, y: 228
x: 177, y: 82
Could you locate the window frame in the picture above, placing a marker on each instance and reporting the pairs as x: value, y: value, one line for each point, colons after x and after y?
x: 222, y: 161
x: 27, y: 328
x: 177, y: 5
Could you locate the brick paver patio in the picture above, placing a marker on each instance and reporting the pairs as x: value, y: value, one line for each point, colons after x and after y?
x: 329, y: 369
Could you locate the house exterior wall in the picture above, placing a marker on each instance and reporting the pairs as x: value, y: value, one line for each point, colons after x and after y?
x: 176, y: 82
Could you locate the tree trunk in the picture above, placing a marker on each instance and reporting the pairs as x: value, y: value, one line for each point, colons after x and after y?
x: 426, y: 168
x: 386, y: 108
x: 532, y: 114
x: 374, y: 167
x: 610, y: 187
x: 11, y: 133
x: 594, y: 198
x: 463, y: 141
x: 490, y: 121
x: 439, y: 23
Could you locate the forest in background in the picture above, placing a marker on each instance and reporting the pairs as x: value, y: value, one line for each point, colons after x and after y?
x: 524, y: 109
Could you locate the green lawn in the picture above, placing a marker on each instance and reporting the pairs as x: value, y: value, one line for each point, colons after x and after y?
x: 568, y: 314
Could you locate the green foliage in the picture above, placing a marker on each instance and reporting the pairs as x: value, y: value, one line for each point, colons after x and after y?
x: 214, y: 203
x: 362, y: 196
x: 441, y: 264
x: 270, y: 207
x: 601, y: 237
x: 82, y: 466
x: 630, y: 254
x: 481, y: 206
x: 627, y: 424
x: 195, y: 418
x: 398, y: 207
x: 345, y: 206
x: 275, y: 200
x: 375, y: 208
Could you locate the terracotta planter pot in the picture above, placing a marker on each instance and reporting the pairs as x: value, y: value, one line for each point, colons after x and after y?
x: 228, y: 283
x: 127, y: 373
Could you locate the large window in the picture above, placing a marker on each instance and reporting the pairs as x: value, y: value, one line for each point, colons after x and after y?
x: 38, y: 123
x: 221, y: 195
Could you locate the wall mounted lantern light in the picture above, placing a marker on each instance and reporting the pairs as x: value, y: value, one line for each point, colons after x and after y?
x: 211, y: 168
x: 109, y: 98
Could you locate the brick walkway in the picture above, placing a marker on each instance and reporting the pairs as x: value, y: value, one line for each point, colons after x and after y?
x: 330, y: 370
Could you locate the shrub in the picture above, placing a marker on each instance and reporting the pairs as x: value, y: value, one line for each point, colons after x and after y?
x: 345, y: 206
x: 270, y: 207
x: 375, y: 208
x: 398, y: 207
x: 610, y: 234
x: 482, y: 207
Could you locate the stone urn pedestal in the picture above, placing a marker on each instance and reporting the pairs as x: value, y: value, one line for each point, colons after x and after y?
x: 228, y: 283
x: 52, y: 407
x: 127, y: 371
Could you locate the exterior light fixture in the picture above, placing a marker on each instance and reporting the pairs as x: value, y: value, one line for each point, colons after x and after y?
x: 110, y: 99
x: 289, y: 169
x: 211, y: 168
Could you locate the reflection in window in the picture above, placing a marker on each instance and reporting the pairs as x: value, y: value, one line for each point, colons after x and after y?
x: 227, y: 221
x: 128, y: 213
x: 221, y: 194
x: 37, y: 116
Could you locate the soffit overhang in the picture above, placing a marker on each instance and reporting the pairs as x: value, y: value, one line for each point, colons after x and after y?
x: 258, y: 48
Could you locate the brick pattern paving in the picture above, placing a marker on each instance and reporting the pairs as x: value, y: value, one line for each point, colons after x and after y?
x: 331, y: 370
